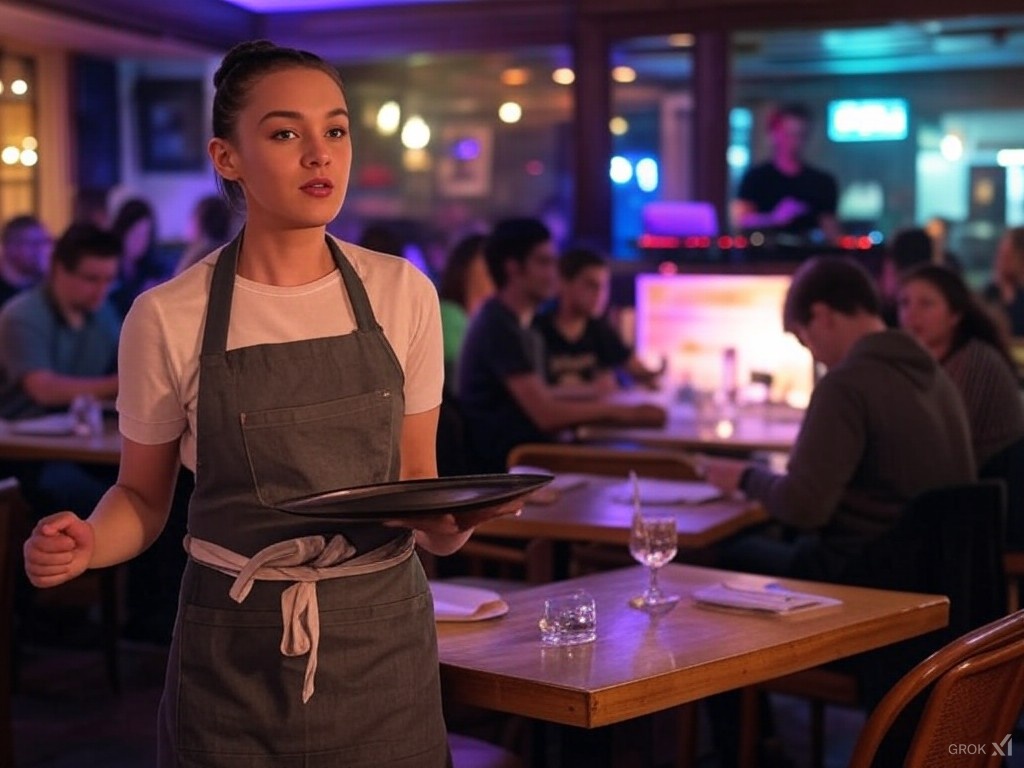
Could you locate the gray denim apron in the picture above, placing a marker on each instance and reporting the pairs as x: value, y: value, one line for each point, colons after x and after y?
x: 274, y: 422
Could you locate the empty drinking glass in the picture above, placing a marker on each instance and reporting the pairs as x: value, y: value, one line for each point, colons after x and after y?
x: 569, y: 619
x: 86, y: 415
x: 653, y: 542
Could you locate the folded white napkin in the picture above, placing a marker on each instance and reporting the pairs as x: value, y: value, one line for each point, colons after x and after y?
x: 51, y: 424
x: 456, y: 602
x: 658, y: 492
x: 760, y: 594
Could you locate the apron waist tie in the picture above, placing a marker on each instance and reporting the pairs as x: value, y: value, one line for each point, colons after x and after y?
x: 305, y: 560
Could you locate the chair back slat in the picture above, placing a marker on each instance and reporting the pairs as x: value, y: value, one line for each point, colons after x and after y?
x: 600, y: 460
x: 1008, y: 466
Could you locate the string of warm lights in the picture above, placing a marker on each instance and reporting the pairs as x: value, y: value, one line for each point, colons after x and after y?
x: 16, y: 88
x: 415, y: 131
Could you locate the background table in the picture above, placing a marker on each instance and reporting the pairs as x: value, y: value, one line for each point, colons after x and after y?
x: 104, y: 448
x: 591, y: 514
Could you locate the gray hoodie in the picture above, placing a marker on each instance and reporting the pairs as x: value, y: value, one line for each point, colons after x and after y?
x: 883, y: 425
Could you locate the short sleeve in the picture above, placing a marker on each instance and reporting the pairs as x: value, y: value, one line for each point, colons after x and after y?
x: 149, y: 405
x: 830, y: 196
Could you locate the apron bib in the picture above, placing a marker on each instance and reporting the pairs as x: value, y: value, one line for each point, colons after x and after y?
x: 275, y: 422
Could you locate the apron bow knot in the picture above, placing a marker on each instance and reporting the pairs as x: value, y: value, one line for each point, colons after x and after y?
x: 305, y: 561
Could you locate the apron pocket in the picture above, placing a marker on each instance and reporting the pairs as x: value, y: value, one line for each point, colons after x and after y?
x: 376, y: 701
x: 294, y: 452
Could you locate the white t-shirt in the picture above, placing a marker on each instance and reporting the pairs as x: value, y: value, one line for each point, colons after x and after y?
x: 158, y: 356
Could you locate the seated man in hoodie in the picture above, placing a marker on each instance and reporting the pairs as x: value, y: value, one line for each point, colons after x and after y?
x: 884, y: 424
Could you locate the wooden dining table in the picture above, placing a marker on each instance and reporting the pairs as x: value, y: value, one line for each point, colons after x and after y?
x: 641, y: 664
x: 741, y: 430
x: 596, y: 511
x: 103, y: 448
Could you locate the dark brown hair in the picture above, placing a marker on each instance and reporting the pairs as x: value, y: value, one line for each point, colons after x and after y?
x: 240, y: 68
x: 81, y: 240
x: 839, y: 283
x: 512, y: 240
x: 575, y: 260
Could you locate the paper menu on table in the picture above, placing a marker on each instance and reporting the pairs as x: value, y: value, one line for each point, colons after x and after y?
x: 666, y: 492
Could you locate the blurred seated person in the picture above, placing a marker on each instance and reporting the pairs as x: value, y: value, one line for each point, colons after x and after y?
x: 141, y: 267
x: 908, y: 248
x: 212, y: 226
x: 58, y: 341
x: 884, y: 424
x: 24, y: 255
x: 505, y: 399
x: 1006, y: 291
x: 582, y: 352
x: 786, y: 195
x: 938, y: 309
x: 465, y: 285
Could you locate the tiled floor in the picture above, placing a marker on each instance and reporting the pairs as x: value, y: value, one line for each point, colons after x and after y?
x: 65, y: 715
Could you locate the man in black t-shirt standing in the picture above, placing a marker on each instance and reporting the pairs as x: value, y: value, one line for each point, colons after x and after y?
x: 785, y: 195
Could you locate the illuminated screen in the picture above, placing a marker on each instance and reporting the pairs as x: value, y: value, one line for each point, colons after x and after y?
x: 690, y: 320
x: 867, y: 120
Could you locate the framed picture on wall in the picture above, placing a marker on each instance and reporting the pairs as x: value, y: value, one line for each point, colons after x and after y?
x: 169, y: 122
x: 464, y: 168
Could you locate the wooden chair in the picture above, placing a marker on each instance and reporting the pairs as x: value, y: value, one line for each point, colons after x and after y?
x: 973, y: 691
x: 602, y: 460
x: 948, y: 541
x: 13, y: 527
x: 1013, y: 564
x: 1008, y: 466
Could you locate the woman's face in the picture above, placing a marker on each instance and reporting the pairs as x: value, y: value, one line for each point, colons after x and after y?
x: 291, y: 151
x: 925, y: 314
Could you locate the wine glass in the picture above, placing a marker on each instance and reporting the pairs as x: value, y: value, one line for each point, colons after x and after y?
x: 653, y: 542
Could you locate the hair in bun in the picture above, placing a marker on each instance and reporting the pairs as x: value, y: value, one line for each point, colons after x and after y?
x: 241, y: 67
